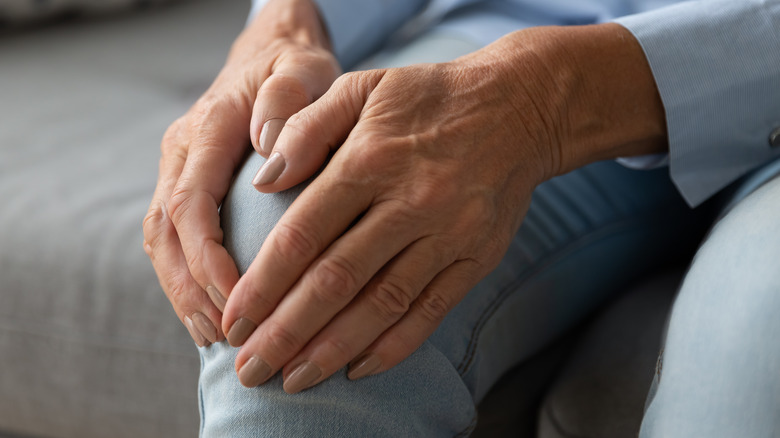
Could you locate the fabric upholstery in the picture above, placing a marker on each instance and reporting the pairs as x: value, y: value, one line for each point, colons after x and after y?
x: 89, y: 345
x: 16, y: 12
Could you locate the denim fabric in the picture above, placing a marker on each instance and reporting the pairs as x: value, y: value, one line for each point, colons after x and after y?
x: 719, y: 374
x: 586, y: 235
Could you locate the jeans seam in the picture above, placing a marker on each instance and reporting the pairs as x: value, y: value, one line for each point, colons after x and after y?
x: 201, y: 406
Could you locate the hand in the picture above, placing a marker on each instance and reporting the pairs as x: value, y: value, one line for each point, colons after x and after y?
x: 279, y: 65
x: 418, y: 204
x: 432, y: 175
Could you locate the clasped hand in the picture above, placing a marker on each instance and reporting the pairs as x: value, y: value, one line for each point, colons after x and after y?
x: 431, y: 173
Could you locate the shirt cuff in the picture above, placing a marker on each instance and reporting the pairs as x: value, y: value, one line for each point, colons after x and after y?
x: 359, y: 27
x: 716, y: 65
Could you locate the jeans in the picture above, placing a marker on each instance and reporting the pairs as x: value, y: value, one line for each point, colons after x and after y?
x: 719, y: 371
x: 587, y: 234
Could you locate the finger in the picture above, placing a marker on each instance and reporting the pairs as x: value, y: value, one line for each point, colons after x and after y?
x: 379, y: 305
x: 217, y: 146
x: 293, y: 84
x: 312, y: 133
x: 417, y: 325
x: 327, y: 287
x: 322, y: 212
x: 164, y: 249
x: 190, y: 302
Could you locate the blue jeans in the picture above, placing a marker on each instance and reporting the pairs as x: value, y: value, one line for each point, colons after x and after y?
x: 719, y: 370
x: 587, y: 234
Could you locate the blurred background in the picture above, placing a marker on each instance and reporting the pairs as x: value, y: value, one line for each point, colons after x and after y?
x: 89, y: 345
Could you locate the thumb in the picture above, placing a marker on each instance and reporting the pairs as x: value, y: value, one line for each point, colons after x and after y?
x: 313, y: 133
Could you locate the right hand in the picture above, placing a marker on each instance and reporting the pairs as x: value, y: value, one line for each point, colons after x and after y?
x: 280, y: 64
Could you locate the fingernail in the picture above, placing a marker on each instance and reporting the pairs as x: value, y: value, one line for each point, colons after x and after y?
x: 205, y: 327
x: 239, y: 332
x: 216, y: 298
x: 270, y: 171
x: 269, y: 134
x: 254, y: 372
x: 363, y: 366
x: 302, y: 377
x: 196, y: 335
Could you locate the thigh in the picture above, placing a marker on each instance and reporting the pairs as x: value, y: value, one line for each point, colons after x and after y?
x: 719, y: 375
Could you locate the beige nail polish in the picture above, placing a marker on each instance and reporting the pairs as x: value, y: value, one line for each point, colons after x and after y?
x: 254, y: 372
x: 270, y: 171
x: 363, y: 366
x: 302, y: 377
x: 269, y: 134
x: 216, y: 298
x: 199, y: 339
x: 204, y: 326
x: 239, y: 332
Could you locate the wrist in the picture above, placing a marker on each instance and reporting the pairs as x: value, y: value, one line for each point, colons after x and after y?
x: 594, y: 92
x: 297, y: 21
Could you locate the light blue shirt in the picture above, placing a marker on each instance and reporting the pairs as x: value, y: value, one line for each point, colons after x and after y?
x: 716, y: 64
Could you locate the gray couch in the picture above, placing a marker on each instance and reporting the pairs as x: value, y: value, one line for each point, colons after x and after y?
x: 89, y: 346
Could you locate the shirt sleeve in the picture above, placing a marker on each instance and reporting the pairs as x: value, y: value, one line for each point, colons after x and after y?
x: 717, y: 67
x: 359, y: 27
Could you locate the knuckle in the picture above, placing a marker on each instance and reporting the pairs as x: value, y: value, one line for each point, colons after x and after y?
x: 346, y: 80
x: 179, y: 209
x: 174, y: 134
x: 294, y: 245
x: 477, y: 213
x: 444, y: 249
x: 260, y: 302
x: 281, y: 340
x: 433, y: 307
x: 180, y: 203
x: 338, y: 348
x: 391, y: 299
x: 307, y: 127
x: 177, y: 290
x: 288, y: 86
x: 334, y: 280
x: 434, y: 192
x: 151, y: 223
x: 357, y: 79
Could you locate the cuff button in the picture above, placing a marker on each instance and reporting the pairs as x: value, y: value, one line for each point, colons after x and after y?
x: 774, y: 138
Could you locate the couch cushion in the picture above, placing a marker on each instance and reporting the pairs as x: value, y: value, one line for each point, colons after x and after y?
x: 16, y: 12
x: 90, y: 345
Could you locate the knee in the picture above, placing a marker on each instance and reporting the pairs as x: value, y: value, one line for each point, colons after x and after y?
x: 743, y: 248
x: 247, y: 216
x: 735, y: 269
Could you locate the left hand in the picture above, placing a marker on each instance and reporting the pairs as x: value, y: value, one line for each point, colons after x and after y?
x: 432, y: 178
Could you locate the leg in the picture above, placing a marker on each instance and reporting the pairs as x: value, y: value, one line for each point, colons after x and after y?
x: 424, y: 396
x: 720, y: 373
x: 582, y: 229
